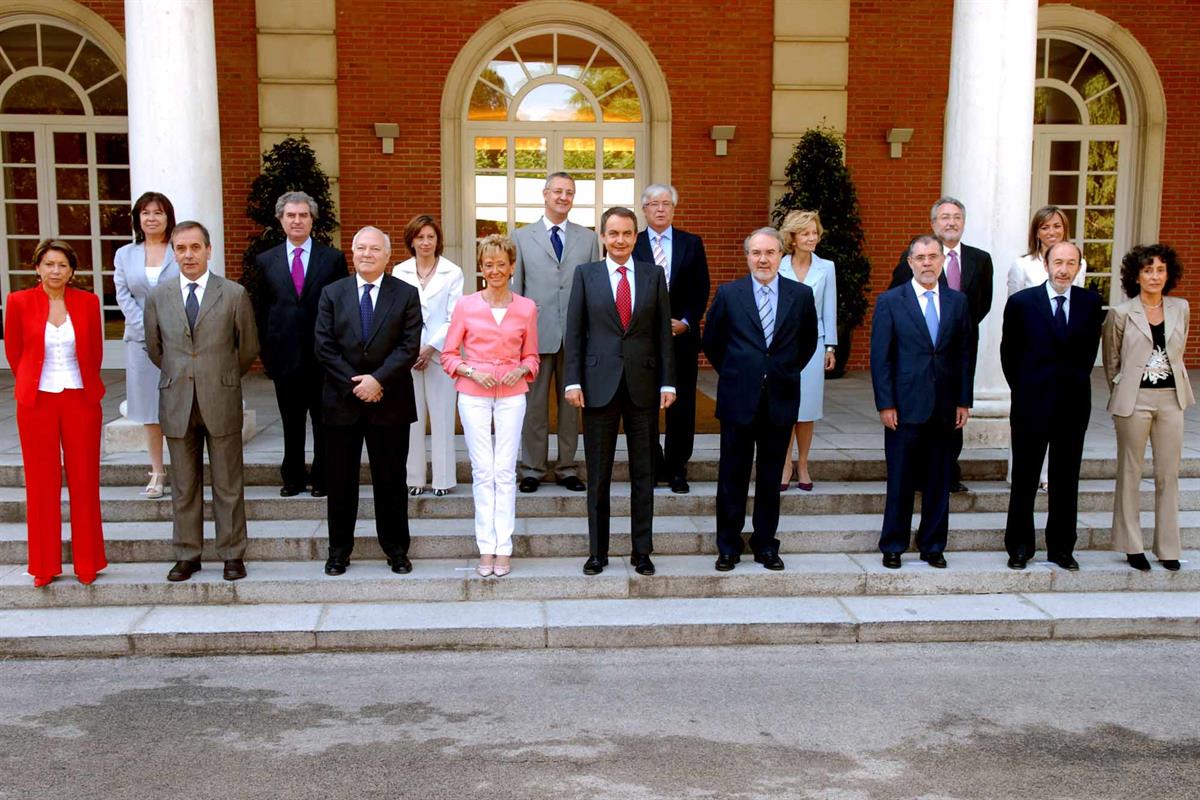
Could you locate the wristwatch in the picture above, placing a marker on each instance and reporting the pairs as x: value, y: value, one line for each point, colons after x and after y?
x: 830, y: 349
x: 470, y: 371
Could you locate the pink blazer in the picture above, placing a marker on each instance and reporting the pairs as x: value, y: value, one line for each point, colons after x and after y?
x: 492, y: 348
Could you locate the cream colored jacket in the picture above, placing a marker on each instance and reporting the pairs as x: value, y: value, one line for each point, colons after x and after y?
x: 1128, y: 343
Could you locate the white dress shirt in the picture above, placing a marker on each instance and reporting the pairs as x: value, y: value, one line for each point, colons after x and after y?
x: 374, y: 295
x: 922, y: 300
x: 1053, y: 293
x: 562, y: 230
x: 305, y: 253
x: 200, y: 282
x: 60, y: 364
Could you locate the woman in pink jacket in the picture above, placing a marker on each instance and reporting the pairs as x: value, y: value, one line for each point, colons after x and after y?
x: 496, y: 332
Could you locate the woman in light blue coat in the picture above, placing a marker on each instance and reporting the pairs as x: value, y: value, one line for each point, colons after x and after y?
x: 801, y: 232
x: 137, y: 269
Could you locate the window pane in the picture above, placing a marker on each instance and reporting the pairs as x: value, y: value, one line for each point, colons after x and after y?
x: 20, y: 45
x: 19, y: 281
x: 92, y: 66
x: 70, y: 148
x: 618, y: 153
x: 1063, y: 190
x: 83, y: 251
x: 1064, y: 58
x: 74, y: 219
x: 1052, y: 107
x: 20, y: 252
x: 111, y: 98
x: 491, y: 153
x: 114, y: 323
x: 1102, y: 157
x: 113, y: 183
x: 1093, y: 77
x: 1102, y: 190
x: 583, y: 216
x: 1098, y: 256
x: 508, y: 71
x: 489, y: 221
x: 41, y: 94
x: 573, y: 55
x: 83, y: 280
x: 1098, y: 224
x: 618, y: 189
x: 17, y: 147
x: 108, y: 250
x: 112, y: 148
x: 1107, y: 109
x: 20, y: 183
x: 528, y: 188
x: 71, y: 183
x: 556, y: 102
x: 537, y: 53
x: 1064, y: 156
x: 527, y: 215
x: 486, y: 102
x: 58, y: 46
x: 491, y: 189
x: 115, y: 219
x: 21, y: 219
x: 579, y: 153
x: 585, y: 188
x: 530, y: 154
x: 622, y: 105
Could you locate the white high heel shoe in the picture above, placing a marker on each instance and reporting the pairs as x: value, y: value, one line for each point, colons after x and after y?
x: 154, y: 489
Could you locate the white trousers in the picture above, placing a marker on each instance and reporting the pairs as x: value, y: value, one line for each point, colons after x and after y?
x: 434, y: 391
x: 493, y: 466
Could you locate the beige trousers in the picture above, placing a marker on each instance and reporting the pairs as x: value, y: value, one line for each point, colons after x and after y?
x: 1158, y: 417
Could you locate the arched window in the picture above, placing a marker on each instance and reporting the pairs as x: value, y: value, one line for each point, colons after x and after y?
x: 64, y: 152
x: 1082, y: 151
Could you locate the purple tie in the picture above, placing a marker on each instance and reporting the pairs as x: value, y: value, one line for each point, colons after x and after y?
x: 953, y: 273
x: 298, y: 270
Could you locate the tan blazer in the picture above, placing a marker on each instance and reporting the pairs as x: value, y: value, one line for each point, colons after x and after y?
x: 1127, y: 346
x: 209, y: 365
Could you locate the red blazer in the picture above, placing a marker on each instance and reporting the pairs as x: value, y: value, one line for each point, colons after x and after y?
x: 25, y: 316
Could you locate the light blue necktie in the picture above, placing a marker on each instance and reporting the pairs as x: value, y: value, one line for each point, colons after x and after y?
x: 931, y: 317
x: 766, y: 314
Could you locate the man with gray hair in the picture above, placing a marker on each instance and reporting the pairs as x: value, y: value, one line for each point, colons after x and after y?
x: 291, y: 278
x: 759, y: 334
x: 682, y: 259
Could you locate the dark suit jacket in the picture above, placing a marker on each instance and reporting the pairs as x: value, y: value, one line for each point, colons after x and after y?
x: 388, y: 354
x: 1047, y: 371
x: 976, y: 279
x: 285, y: 321
x: 746, y: 366
x: 25, y: 318
x: 908, y: 372
x: 689, y: 276
x: 598, y: 352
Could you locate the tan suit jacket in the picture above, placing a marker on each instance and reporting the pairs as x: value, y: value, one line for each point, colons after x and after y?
x: 207, y: 365
x: 1128, y: 344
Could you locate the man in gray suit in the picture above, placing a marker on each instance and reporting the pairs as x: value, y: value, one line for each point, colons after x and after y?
x: 548, y: 252
x: 200, y: 332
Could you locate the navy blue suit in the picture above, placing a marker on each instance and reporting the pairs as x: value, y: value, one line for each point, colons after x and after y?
x: 758, y: 398
x: 1050, y: 376
x: 925, y: 382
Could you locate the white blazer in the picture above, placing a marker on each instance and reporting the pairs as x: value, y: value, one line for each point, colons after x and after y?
x: 437, y: 299
x: 1028, y: 271
x: 823, y: 282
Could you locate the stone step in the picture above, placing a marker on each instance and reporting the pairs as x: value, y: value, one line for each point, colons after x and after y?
x: 124, y: 504
x: 301, y: 539
x: 641, y: 622
x: 449, y: 580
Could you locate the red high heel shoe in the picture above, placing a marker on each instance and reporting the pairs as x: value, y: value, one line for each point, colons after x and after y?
x: 40, y: 581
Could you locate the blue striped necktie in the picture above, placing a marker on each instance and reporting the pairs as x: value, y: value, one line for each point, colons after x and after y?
x: 366, y: 311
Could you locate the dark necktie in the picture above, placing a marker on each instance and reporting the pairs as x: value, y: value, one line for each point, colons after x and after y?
x: 366, y: 311
x: 556, y: 242
x: 192, y: 307
x: 1060, y: 314
x: 624, y: 301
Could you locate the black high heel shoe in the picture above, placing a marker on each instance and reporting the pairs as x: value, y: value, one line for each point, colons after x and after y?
x: 1138, y: 561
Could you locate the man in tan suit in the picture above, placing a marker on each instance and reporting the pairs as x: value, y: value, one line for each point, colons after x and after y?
x: 200, y: 332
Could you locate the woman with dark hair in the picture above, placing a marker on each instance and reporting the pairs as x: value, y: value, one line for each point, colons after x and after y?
x: 439, y: 282
x: 1143, y: 342
x: 137, y: 269
x: 54, y: 341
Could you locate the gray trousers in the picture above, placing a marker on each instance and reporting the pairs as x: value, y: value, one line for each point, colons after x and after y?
x: 535, y: 431
x: 187, y: 490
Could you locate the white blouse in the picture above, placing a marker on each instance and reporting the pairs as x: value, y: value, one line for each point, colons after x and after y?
x: 498, y: 314
x: 60, y: 365
x: 153, y: 274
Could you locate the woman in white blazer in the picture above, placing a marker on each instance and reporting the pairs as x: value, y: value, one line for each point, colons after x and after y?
x: 439, y: 282
x: 801, y: 231
x: 137, y: 269
x: 1144, y: 339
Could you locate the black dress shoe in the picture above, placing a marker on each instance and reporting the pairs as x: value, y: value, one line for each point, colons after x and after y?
x: 290, y: 491
x: 770, y: 560
x: 934, y: 560
x: 725, y: 563
x: 400, y: 565
x: 891, y: 560
x: 319, y: 491
x: 528, y: 485
x: 572, y: 484
x: 957, y: 486
x: 642, y: 564
x: 595, y: 565
x: 336, y: 566
x: 680, y: 486
x: 1138, y: 561
x: 1017, y: 562
x: 235, y: 569
x: 1064, y: 560
x: 183, y: 570
x: 1170, y: 563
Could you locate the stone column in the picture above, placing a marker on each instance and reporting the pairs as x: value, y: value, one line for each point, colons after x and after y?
x: 174, y: 123
x: 988, y: 148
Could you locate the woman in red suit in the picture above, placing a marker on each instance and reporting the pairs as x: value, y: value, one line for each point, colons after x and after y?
x: 54, y: 342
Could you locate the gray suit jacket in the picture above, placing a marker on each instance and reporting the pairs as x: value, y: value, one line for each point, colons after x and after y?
x: 208, y: 365
x: 539, y: 276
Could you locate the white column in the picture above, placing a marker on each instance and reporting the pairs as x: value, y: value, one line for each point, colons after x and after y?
x: 174, y: 128
x: 988, y: 148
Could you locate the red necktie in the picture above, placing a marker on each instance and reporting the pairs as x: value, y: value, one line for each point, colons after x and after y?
x: 624, y: 305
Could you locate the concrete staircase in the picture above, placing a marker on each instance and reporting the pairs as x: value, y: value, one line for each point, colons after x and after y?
x: 834, y: 588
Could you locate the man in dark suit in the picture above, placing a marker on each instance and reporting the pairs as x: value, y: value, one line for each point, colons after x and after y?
x: 922, y: 360
x: 618, y: 356
x: 1047, y: 350
x: 680, y: 255
x: 291, y: 278
x: 759, y: 334
x: 966, y: 269
x: 368, y: 333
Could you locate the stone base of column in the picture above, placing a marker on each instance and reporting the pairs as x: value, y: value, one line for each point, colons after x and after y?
x: 123, y: 435
x: 988, y: 426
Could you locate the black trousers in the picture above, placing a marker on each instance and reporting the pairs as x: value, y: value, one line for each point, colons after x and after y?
x: 387, y: 447
x: 671, y: 459
x: 299, y: 398
x: 738, y: 446
x: 918, y: 457
x: 600, y: 427
x: 1029, y: 445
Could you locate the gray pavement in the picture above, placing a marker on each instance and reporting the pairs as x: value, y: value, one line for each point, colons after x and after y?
x: 868, y: 722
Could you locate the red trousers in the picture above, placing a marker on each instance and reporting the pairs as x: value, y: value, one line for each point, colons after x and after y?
x: 65, y: 423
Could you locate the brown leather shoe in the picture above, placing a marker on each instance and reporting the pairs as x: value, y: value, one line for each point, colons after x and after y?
x: 183, y: 570
x: 235, y: 569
